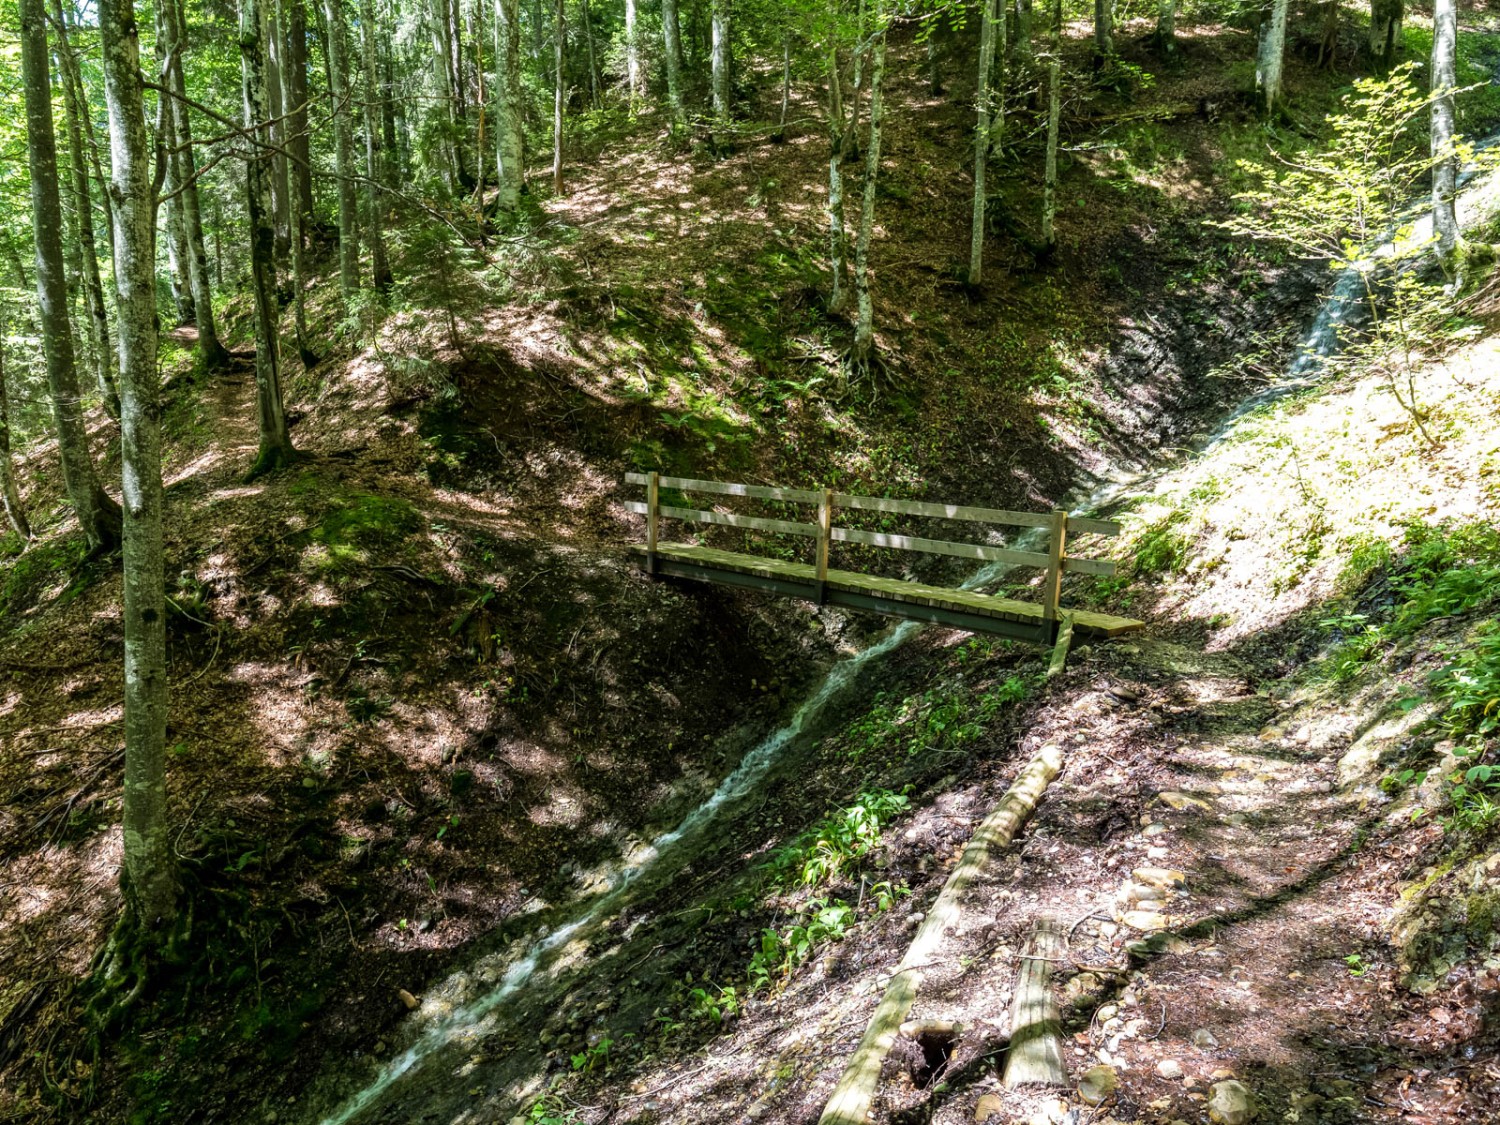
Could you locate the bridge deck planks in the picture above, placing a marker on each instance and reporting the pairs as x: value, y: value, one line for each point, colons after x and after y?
x: 1085, y: 622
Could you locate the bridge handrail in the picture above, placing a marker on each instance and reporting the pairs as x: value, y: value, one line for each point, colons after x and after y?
x: 1054, y: 559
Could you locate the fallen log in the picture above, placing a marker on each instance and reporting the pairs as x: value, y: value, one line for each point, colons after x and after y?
x: 1035, y: 1055
x: 855, y: 1092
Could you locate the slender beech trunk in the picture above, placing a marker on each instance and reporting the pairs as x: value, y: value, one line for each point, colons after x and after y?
x: 1104, y: 28
x: 864, y: 327
x: 559, y: 45
x: 380, y: 270
x: 997, y: 80
x: 1328, y: 35
x: 856, y: 81
x: 1445, y: 166
x: 480, y: 163
x: 1049, y: 179
x: 149, y: 876
x: 1385, y: 30
x: 275, y: 442
x: 343, y: 144
x: 179, y: 264
x: 442, y: 76
x: 509, y: 106
x: 588, y: 39
x: 395, y: 158
x: 672, y: 44
x: 281, y: 204
x: 1166, y: 25
x: 211, y: 351
x: 1270, y: 57
x: 981, y: 138
x: 838, y: 238
x: 105, y: 360
x: 719, y: 65
x: 1020, y: 45
x: 632, y: 54
x: 294, y: 98
x: 10, y: 495
x: 98, y: 515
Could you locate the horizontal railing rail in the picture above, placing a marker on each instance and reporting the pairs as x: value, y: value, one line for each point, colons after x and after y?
x: 1052, y: 558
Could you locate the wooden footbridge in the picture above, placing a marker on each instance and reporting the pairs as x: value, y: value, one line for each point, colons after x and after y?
x: 1043, y: 622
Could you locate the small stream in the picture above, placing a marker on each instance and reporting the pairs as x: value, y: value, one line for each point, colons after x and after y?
x: 476, y: 1009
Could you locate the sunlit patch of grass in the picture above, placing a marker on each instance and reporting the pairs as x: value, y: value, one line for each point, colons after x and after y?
x: 355, y: 525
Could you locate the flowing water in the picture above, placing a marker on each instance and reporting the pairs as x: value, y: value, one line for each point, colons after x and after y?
x: 477, y: 1017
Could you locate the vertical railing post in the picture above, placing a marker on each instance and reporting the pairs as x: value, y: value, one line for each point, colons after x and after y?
x: 1052, y: 583
x: 825, y: 540
x: 653, y: 505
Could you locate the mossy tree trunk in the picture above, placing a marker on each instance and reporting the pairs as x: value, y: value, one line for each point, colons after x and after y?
x: 1445, y: 161
x: 981, y: 139
x: 672, y: 46
x: 864, y: 326
x: 149, y: 877
x: 509, y: 106
x: 1270, y: 58
x: 343, y: 141
x: 380, y: 269
x: 98, y: 515
x: 10, y: 495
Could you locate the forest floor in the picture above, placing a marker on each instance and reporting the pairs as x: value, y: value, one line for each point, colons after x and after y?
x: 422, y: 701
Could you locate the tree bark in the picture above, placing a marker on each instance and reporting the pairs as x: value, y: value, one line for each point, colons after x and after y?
x: 211, y: 351
x: 447, y: 154
x: 275, y: 442
x: 380, y: 269
x: 1270, y: 57
x: 719, y: 64
x: 838, y: 239
x: 105, y: 360
x: 559, y: 47
x: 1104, y: 28
x: 10, y: 495
x: 855, y: 1092
x: 1385, y: 31
x: 595, y: 99
x: 343, y: 142
x: 1166, y: 25
x: 509, y: 106
x: 294, y: 97
x: 98, y: 515
x: 1049, y: 179
x: 281, y: 205
x: 149, y: 876
x: 632, y: 54
x: 864, y: 326
x: 672, y: 43
x: 981, y: 139
x: 1445, y: 160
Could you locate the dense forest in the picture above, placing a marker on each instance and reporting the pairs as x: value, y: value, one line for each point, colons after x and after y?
x: 365, y: 755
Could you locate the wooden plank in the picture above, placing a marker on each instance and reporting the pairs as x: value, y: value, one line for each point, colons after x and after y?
x: 727, y: 488
x: 1086, y: 622
x: 653, y: 518
x: 939, y: 547
x: 1083, y: 525
x: 825, y: 531
x: 1052, y: 582
x: 1035, y: 1057
x: 942, y: 511
x: 1075, y: 565
x: 728, y: 519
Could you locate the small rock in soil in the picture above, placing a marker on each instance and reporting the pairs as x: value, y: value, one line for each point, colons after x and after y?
x: 1169, y: 1068
x: 1097, y: 1084
x: 989, y: 1106
x: 1230, y: 1103
x: 1204, y: 1038
x: 407, y: 998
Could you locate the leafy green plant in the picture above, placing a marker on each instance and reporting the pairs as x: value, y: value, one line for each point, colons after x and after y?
x: 594, y: 1055
x: 550, y: 1110
x: 1470, y: 685
x: 1163, y: 548
x: 779, y: 952
x: 838, y: 840
x: 713, y: 1004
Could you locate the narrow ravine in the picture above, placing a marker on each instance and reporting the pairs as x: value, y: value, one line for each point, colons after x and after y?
x: 429, y: 1079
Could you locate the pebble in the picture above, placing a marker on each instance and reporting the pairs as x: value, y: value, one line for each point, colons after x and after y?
x: 989, y: 1106
x: 1153, y: 830
x: 1169, y: 1068
x: 1204, y: 1039
x: 1108, y: 1012
x: 1097, y: 1084
x: 1156, y: 853
x: 407, y: 998
x: 1159, y: 876
x: 1144, y: 920
x: 1229, y: 1103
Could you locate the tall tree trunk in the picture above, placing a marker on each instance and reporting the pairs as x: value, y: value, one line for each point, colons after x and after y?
x: 98, y: 515
x: 508, y: 106
x: 1385, y: 31
x: 595, y: 99
x: 380, y: 270
x: 447, y: 154
x: 343, y: 141
x: 105, y: 360
x: 294, y: 98
x: 1270, y: 57
x: 211, y: 351
x: 720, y: 59
x: 177, y: 252
x: 1445, y: 166
x: 632, y: 54
x: 281, y: 204
x: 864, y: 327
x: 1020, y: 45
x: 1328, y: 36
x: 559, y: 45
x: 1104, y: 28
x: 1000, y: 52
x: 1166, y: 26
x: 672, y: 44
x: 275, y: 442
x: 838, y: 238
x: 10, y: 495
x: 1049, y: 179
x: 149, y: 878
x: 981, y: 139
x: 481, y: 163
